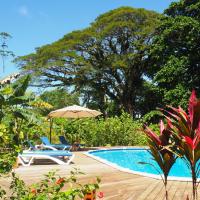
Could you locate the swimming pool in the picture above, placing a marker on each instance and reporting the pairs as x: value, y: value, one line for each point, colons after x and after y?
x: 128, y: 160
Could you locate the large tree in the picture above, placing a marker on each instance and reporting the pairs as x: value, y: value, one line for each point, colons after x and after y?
x: 106, y: 61
x: 59, y: 98
x: 175, y: 53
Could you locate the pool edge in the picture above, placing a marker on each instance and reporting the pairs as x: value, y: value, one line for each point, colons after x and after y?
x: 122, y: 169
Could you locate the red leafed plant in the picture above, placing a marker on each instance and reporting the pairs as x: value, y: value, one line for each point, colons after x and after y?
x: 159, y: 150
x: 185, y: 134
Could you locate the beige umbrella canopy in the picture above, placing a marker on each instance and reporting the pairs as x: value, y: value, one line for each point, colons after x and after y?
x: 74, y: 112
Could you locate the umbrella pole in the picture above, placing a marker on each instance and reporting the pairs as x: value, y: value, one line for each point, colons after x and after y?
x: 51, y: 125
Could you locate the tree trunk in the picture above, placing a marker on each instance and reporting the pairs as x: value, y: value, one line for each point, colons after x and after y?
x: 127, y: 102
x: 166, y: 192
x: 130, y: 109
x: 194, y: 183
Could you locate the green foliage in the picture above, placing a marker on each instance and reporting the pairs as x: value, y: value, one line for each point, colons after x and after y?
x: 7, y: 161
x: 59, y: 98
x: 13, y: 100
x: 174, y: 54
x: 16, y: 121
x: 106, y: 61
x: 8, y: 151
x: 152, y: 117
x: 177, y: 96
x: 184, y: 8
x: 51, y: 187
x: 149, y: 100
x: 114, y: 131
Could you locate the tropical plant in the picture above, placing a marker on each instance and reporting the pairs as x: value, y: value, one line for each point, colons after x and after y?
x: 13, y: 100
x: 185, y: 129
x: 20, y: 111
x: 159, y: 150
x: 16, y: 120
x: 180, y: 138
x: 52, y: 187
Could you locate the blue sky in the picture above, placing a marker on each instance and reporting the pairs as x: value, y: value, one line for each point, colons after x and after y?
x: 33, y: 23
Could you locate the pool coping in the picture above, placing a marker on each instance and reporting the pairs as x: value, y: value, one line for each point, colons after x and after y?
x: 123, y: 169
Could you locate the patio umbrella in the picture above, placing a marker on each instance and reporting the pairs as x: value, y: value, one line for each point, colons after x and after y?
x: 73, y: 112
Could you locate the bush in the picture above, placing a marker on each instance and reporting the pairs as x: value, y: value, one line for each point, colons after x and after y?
x: 51, y: 187
x: 122, y: 130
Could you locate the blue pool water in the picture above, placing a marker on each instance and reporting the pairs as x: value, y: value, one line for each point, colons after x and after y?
x: 129, y: 158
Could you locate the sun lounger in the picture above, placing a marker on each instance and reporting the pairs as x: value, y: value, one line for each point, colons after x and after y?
x: 40, y: 147
x: 65, y: 142
x: 28, y: 157
x: 46, y: 142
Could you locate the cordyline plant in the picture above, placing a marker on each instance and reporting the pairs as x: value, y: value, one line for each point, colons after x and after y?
x: 159, y: 150
x: 185, y: 133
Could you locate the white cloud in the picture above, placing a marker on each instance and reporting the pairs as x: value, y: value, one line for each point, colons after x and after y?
x: 23, y: 10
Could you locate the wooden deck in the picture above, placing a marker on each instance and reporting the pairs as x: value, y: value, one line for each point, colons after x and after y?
x: 115, y: 184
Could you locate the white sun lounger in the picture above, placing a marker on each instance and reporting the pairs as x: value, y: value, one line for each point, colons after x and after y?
x: 27, y: 157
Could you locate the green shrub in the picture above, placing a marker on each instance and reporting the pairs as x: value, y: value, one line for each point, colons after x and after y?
x: 51, y: 187
x: 115, y: 131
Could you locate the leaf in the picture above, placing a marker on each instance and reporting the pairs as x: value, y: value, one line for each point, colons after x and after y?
x: 145, y: 163
x: 2, y: 100
x: 153, y: 136
x: 21, y: 88
x: 1, y: 115
x: 162, y: 126
x: 18, y: 114
x: 17, y: 100
x: 194, y: 110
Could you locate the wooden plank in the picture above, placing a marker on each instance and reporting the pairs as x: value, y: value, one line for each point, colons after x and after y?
x: 180, y: 191
x: 156, y: 192
x: 115, y: 184
x: 173, y: 189
x: 148, y: 190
